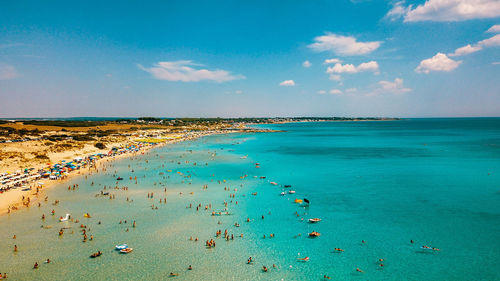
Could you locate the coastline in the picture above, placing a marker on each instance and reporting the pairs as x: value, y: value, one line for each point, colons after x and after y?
x: 16, y: 199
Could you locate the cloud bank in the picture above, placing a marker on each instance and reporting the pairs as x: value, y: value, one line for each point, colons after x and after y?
x: 446, y: 10
x: 350, y: 68
x: 343, y: 45
x: 469, y: 49
x: 185, y: 71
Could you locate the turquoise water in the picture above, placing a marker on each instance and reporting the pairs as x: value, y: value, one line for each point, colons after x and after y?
x: 433, y: 181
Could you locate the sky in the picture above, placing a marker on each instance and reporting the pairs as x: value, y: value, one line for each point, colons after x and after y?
x: 434, y: 58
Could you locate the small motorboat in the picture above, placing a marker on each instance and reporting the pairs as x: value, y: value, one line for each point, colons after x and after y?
x: 126, y: 250
x: 274, y: 183
x: 427, y: 248
x: 314, y: 234
x: 262, y: 177
x: 121, y: 247
x: 288, y: 185
x: 95, y: 255
x: 61, y: 219
x: 283, y: 193
x: 314, y: 220
x: 291, y: 191
x: 119, y: 178
x: 298, y: 201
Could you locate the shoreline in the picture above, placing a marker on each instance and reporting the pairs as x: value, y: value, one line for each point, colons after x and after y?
x: 16, y: 199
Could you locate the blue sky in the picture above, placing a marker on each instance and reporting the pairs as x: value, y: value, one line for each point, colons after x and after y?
x: 250, y: 58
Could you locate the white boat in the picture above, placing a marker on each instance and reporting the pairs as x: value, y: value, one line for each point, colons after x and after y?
x: 314, y: 220
x: 121, y: 247
x: 283, y: 193
x: 291, y: 191
x: 126, y: 250
x: 61, y: 219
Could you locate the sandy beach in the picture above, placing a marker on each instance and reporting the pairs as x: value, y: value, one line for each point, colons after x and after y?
x: 15, y: 199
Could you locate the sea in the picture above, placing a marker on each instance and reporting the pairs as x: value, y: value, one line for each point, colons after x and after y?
x: 382, y: 189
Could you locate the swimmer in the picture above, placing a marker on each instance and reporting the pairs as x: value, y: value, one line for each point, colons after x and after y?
x: 190, y: 267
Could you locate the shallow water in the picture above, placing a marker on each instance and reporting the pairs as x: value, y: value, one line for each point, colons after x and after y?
x: 434, y: 181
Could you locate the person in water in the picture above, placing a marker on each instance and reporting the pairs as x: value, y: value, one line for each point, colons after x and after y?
x: 173, y: 274
x: 264, y: 268
x: 190, y: 267
x: 35, y: 266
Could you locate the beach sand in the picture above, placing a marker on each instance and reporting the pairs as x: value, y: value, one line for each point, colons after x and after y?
x: 16, y: 198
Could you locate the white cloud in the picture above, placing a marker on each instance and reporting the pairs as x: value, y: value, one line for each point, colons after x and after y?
x: 183, y: 70
x: 446, y: 10
x: 335, y: 92
x: 468, y: 49
x: 307, y: 64
x: 350, y: 68
x: 7, y: 72
x: 332, y: 61
x: 351, y: 90
x: 288, y: 83
x: 395, y: 87
x: 239, y: 92
x: 496, y: 63
x: 343, y: 45
x: 321, y: 92
x: 490, y: 42
x: 439, y: 62
x: 335, y: 77
x: 465, y: 50
x: 494, y: 29
x: 397, y: 11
